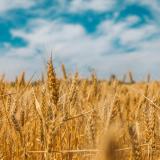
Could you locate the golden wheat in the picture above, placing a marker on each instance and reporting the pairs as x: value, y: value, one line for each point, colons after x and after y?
x: 70, y: 118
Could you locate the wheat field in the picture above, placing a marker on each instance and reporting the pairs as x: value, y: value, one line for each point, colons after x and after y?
x: 71, y: 118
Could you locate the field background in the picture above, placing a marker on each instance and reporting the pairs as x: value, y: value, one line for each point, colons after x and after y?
x: 79, y: 119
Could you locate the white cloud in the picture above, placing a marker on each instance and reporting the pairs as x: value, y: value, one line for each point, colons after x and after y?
x: 153, y: 3
x: 132, y: 19
x: 95, y: 5
x: 76, y: 48
x: 6, y: 5
x: 135, y: 35
x: 12, y: 66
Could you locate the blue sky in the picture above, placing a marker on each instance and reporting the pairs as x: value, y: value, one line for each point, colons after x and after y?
x: 110, y: 36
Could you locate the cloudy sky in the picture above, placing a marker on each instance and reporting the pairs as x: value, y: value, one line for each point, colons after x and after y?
x: 110, y: 36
